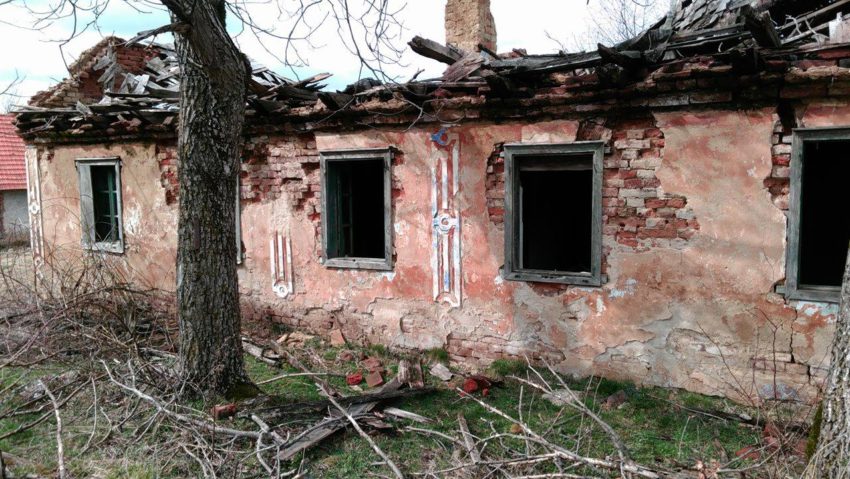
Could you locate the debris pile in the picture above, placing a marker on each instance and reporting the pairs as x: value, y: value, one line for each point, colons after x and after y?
x: 338, y: 410
x: 143, y: 91
x: 709, y: 38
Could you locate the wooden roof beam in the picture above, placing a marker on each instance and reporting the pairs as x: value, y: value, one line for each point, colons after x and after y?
x: 761, y: 27
x: 435, y: 51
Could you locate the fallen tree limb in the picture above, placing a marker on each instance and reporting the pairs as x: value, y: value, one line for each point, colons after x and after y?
x: 257, y: 352
x: 60, y: 447
x: 210, y: 427
x: 43, y: 417
x: 295, y: 375
x: 629, y: 468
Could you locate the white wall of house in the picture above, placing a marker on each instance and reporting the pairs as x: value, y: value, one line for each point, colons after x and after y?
x: 14, y: 213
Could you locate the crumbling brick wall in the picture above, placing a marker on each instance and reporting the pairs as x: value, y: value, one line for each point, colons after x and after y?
x: 779, y: 181
x: 86, y: 87
x: 274, y: 167
x: 166, y: 156
x: 637, y: 213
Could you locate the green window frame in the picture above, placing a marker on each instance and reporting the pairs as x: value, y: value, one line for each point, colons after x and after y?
x: 101, y: 216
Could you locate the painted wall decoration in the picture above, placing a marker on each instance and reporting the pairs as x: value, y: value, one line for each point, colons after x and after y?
x: 34, y: 207
x: 280, y: 256
x: 445, y: 260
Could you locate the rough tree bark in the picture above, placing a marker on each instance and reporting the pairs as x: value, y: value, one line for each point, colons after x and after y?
x: 833, y: 458
x: 212, y: 112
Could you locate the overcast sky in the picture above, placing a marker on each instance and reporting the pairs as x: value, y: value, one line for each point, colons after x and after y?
x: 36, y: 55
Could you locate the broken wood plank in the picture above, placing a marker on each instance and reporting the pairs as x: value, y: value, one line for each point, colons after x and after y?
x: 411, y: 373
x: 483, y: 48
x: 313, y: 79
x: 290, y: 92
x: 463, y: 68
x: 468, y: 440
x: 411, y: 416
x: 435, y: 51
x: 499, y: 85
x: 86, y: 111
x: 328, y: 426
x: 761, y: 27
x: 257, y: 352
x: 629, y: 60
x: 317, y: 407
x: 825, y: 12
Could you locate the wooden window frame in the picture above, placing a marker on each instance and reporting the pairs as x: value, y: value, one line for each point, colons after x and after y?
x: 514, y: 152
x: 384, y: 154
x: 793, y: 289
x: 87, y: 205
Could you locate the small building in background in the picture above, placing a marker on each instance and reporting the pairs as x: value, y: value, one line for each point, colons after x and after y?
x: 14, y: 220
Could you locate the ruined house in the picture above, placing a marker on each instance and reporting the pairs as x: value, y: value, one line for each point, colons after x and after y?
x: 667, y: 210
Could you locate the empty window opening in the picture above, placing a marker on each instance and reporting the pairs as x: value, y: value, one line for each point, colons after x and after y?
x: 824, y: 223
x: 553, y: 213
x: 104, y: 203
x: 358, y: 216
x: 556, y: 214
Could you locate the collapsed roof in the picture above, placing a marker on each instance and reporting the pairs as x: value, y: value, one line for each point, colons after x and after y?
x: 119, y: 86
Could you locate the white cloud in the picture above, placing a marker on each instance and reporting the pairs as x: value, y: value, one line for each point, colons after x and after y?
x: 519, y: 24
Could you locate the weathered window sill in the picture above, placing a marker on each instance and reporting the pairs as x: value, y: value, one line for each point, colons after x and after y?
x: 376, y: 264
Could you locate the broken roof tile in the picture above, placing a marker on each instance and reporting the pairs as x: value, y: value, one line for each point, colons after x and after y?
x: 112, y: 83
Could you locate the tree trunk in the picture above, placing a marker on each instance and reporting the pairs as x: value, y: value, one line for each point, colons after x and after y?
x: 832, y: 459
x: 212, y: 113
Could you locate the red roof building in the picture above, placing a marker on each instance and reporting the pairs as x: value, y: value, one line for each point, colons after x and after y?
x: 12, y: 167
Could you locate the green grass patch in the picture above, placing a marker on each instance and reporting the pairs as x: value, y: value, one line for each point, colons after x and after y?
x: 653, y: 422
x: 658, y: 426
x: 439, y: 355
x: 508, y: 367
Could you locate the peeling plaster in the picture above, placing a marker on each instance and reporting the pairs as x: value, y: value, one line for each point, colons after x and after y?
x: 132, y: 219
x: 811, y: 309
x: 645, y: 323
x: 628, y: 289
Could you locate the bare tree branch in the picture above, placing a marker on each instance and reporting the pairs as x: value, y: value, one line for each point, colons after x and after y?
x: 60, y: 447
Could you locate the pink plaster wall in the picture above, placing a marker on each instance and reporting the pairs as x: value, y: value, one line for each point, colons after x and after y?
x: 698, y: 313
x: 150, y: 225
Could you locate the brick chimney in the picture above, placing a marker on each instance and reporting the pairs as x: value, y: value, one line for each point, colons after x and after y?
x: 468, y: 23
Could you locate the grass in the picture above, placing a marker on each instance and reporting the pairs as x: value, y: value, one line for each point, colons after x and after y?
x: 508, y: 367
x: 438, y: 355
x: 651, y: 423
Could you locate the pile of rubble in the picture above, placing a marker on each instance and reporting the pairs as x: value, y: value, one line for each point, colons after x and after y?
x: 138, y: 93
x: 745, y: 35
